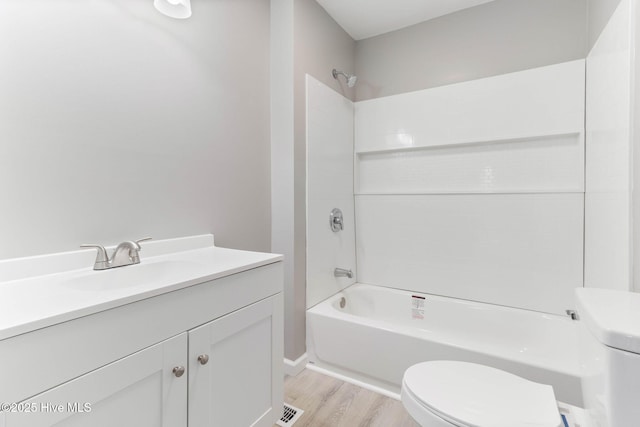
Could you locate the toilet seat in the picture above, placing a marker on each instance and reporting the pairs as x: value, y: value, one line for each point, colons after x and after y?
x: 471, y: 395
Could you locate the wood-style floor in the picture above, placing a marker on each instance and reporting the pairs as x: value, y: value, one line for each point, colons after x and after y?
x: 328, y: 402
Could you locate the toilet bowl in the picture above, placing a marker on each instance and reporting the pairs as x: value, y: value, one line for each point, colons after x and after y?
x: 447, y: 393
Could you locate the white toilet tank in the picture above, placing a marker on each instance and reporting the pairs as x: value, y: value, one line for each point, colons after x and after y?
x: 610, y: 340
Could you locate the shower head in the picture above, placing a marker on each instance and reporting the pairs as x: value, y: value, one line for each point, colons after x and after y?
x: 351, y: 79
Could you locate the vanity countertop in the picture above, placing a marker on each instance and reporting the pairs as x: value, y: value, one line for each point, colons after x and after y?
x: 32, y: 302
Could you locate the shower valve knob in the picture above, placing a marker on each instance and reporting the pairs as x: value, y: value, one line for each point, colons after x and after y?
x: 336, y: 222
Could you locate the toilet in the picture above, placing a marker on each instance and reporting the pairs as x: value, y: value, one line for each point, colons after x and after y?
x: 445, y: 393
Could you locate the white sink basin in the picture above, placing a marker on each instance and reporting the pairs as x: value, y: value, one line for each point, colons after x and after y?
x: 132, y: 276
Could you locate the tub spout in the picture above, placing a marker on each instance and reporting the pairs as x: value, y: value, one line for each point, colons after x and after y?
x: 341, y: 272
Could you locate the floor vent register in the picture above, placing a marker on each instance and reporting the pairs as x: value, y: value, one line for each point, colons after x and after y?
x: 291, y: 415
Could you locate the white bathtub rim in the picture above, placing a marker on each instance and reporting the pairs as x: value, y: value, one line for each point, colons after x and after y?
x: 357, y: 285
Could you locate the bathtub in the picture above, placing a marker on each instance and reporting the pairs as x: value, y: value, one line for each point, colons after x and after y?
x: 380, y: 332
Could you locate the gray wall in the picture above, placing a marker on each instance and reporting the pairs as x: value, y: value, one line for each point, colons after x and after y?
x: 494, y: 38
x: 320, y: 45
x: 118, y: 122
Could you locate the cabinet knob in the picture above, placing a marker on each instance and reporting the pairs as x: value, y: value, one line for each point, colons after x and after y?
x: 203, y: 359
x: 178, y: 371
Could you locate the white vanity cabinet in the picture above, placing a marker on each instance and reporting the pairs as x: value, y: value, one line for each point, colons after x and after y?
x: 210, y: 354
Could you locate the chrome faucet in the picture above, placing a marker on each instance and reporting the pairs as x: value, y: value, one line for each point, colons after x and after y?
x: 126, y: 253
x: 341, y: 272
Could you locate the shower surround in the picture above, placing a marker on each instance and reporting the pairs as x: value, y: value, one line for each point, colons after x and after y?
x: 473, y: 190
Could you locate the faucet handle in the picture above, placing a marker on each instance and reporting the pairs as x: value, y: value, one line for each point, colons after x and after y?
x: 144, y: 239
x: 102, y: 260
x: 133, y: 254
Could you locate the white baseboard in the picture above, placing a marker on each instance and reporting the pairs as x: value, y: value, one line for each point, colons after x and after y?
x: 293, y: 368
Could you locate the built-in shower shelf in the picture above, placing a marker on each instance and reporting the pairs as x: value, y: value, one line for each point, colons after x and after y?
x: 470, y: 143
x: 534, y: 163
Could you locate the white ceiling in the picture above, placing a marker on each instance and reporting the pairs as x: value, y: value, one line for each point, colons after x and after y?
x: 368, y: 18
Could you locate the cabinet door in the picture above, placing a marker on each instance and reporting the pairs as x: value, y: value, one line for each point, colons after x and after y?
x: 241, y: 383
x: 140, y: 390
